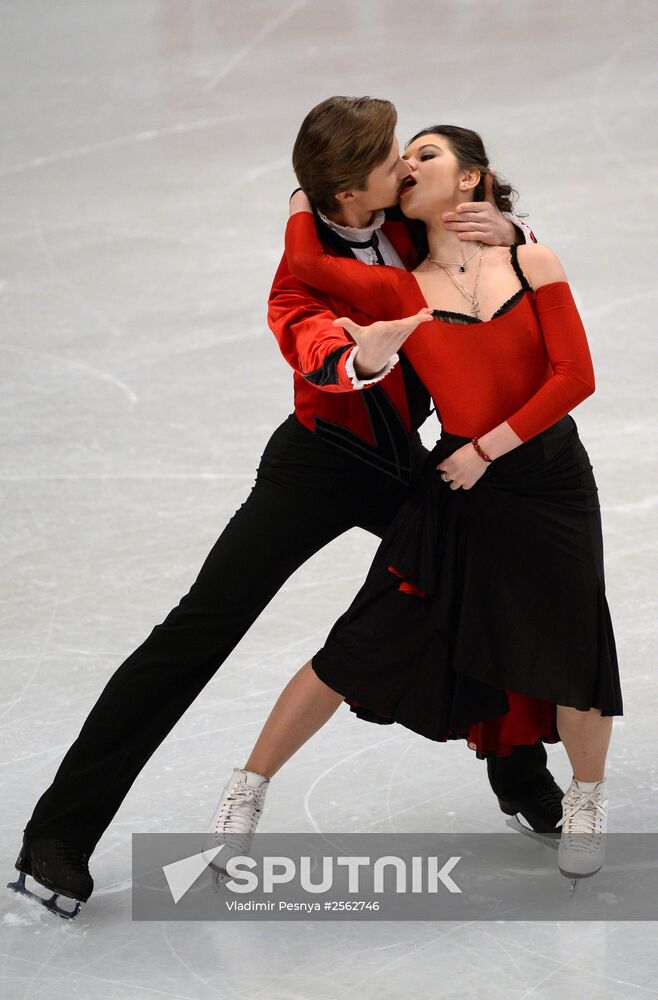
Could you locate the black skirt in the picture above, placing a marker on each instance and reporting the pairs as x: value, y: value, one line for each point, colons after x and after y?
x: 484, y: 609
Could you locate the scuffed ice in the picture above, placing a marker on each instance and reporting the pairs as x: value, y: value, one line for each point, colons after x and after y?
x: 144, y: 173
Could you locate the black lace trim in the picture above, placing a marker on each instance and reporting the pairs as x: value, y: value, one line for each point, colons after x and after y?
x: 454, y: 317
x: 525, y: 284
x: 464, y: 319
x: 510, y: 302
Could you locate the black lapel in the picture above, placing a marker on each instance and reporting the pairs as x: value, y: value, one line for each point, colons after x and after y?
x: 391, y: 452
x: 331, y: 239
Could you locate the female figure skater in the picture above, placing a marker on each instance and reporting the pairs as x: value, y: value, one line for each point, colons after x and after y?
x: 484, y: 615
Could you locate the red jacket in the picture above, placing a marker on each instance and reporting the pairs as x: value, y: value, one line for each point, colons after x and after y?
x: 375, y: 423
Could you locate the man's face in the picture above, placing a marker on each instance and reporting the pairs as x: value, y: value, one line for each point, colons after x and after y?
x: 384, y: 182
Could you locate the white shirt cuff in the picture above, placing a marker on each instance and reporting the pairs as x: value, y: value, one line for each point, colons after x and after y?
x: 523, y: 226
x: 360, y: 383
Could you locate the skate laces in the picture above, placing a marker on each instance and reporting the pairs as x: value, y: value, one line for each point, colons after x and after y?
x: 241, y: 808
x: 583, y: 814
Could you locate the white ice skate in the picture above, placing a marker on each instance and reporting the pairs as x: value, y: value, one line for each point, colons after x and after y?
x: 584, y: 823
x: 236, y: 817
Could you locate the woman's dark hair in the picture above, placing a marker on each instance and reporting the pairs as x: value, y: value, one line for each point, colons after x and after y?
x: 469, y: 149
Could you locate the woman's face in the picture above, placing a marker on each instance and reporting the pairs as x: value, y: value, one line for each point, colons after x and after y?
x: 440, y: 184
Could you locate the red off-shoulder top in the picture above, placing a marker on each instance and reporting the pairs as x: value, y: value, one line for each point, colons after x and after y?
x: 528, y: 365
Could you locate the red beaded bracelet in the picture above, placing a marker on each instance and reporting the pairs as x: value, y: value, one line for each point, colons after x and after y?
x: 479, y: 450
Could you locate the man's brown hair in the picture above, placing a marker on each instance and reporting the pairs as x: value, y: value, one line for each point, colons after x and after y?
x: 341, y: 140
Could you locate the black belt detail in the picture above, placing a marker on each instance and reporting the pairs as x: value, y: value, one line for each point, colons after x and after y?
x: 391, y: 452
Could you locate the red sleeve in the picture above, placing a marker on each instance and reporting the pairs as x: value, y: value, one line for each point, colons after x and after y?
x: 568, y: 352
x: 372, y: 290
x: 302, y: 322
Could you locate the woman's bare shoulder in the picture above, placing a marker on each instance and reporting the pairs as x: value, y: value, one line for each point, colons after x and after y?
x: 540, y: 264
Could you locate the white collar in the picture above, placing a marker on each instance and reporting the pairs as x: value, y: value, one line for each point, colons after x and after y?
x: 353, y: 234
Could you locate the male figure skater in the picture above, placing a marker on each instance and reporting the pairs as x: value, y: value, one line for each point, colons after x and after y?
x: 346, y: 457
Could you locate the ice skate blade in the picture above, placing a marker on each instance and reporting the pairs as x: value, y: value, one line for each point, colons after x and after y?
x: 550, y: 839
x: 575, y: 879
x: 574, y: 882
x: 49, y: 904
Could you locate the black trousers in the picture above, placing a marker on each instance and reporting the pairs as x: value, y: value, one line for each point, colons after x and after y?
x: 306, y: 493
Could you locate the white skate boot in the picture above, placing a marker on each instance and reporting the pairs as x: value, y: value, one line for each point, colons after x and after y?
x: 584, y: 823
x: 236, y: 817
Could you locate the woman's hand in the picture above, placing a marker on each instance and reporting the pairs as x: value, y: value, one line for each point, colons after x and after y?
x: 463, y: 468
x: 299, y: 203
x: 378, y: 342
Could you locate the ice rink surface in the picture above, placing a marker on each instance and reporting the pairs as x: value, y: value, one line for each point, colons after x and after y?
x: 144, y: 177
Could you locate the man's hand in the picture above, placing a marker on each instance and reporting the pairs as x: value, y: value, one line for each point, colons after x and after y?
x: 378, y: 342
x: 481, y: 220
x: 463, y: 468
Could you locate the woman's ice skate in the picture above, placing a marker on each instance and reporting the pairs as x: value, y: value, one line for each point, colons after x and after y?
x: 236, y: 817
x: 584, y: 823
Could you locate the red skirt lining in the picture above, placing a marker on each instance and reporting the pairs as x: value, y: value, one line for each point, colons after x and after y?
x: 527, y: 721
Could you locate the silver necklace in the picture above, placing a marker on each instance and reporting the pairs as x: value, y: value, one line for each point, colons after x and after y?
x: 455, y: 263
x: 471, y: 297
